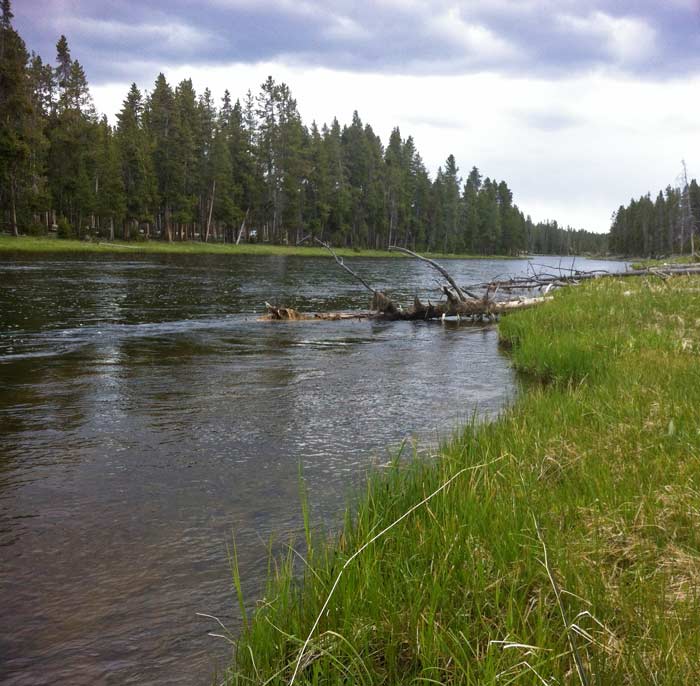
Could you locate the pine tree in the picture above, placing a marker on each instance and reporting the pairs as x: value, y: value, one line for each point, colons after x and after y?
x: 161, y: 122
x: 138, y: 177
x: 450, y: 205
x: 292, y: 168
x: 16, y: 134
x: 338, y: 218
x: 72, y: 136
x: 223, y: 208
x: 189, y: 145
x: 204, y: 153
x: 266, y: 148
x: 318, y: 187
x: 420, y: 204
x: 110, y: 197
x: 374, y: 194
x: 470, y: 211
x: 489, y: 219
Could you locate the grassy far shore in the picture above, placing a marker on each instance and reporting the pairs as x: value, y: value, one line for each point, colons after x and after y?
x: 673, y: 259
x: 32, y: 244
x: 595, y: 470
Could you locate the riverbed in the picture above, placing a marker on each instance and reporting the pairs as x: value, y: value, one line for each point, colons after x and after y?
x: 147, y: 417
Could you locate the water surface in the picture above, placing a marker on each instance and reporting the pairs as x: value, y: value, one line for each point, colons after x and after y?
x: 145, y: 415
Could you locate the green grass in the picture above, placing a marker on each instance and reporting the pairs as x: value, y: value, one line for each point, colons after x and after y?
x: 597, y: 464
x: 54, y: 245
x: 674, y: 259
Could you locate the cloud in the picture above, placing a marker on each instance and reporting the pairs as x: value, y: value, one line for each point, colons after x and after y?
x: 547, y: 120
x: 626, y: 40
x: 171, y: 37
x: 648, y: 38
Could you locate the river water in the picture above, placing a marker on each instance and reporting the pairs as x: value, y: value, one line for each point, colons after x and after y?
x: 146, y: 416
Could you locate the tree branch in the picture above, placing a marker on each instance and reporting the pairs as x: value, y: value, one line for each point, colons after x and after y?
x: 461, y: 294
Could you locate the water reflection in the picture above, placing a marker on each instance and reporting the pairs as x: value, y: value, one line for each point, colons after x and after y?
x: 145, y: 414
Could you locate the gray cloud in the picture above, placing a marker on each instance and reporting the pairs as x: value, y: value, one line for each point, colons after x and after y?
x: 128, y: 39
x: 546, y: 120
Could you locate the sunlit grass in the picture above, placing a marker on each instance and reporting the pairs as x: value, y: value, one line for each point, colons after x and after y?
x: 601, y: 455
x: 23, y: 244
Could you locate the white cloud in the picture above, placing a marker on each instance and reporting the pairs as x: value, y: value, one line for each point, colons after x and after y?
x: 477, y: 41
x: 628, y: 40
x: 172, y: 34
x: 345, y: 28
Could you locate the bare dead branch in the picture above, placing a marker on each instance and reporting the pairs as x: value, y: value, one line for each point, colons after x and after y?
x: 340, y: 261
x: 461, y: 294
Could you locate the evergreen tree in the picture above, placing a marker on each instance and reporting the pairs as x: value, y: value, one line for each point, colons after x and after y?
x: 489, y: 219
x: 395, y: 185
x: 340, y: 200
x: 137, y: 173
x: 291, y: 163
x: 110, y: 197
x: 318, y: 188
x: 450, y: 208
x: 161, y: 121
x: 72, y: 143
x: 469, y: 221
x: 16, y: 132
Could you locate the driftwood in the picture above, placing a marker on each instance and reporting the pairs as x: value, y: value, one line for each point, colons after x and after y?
x: 461, y: 301
x: 547, y: 280
x: 419, y: 311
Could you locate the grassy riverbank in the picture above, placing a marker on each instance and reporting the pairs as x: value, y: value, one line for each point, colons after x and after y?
x: 566, y: 549
x: 676, y: 259
x: 32, y: 244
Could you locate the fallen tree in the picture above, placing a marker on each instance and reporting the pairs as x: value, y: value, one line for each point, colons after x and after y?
x: 546, y: 280
x: 459, y: 302
x: 463, y: 301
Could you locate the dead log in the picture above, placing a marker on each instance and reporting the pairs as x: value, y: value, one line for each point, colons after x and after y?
x: 460, y: 302
x: 472, y: 308
x: 273, y: 313
x: 548, y: 281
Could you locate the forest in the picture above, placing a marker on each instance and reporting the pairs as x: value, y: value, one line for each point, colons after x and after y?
x: 178, y: 167
x: 658, y: 227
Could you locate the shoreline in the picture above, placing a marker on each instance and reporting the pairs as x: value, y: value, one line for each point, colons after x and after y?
x: 31, y: 244
x: 575, y: 507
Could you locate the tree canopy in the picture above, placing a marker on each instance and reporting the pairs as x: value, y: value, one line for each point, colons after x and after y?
x: 660, y: 225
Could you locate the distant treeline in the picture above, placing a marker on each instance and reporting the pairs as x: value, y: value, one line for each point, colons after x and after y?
x: 177, y: 167
x: 654, y: 227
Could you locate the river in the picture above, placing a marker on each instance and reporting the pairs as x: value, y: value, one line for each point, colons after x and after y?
x: 147, y: 416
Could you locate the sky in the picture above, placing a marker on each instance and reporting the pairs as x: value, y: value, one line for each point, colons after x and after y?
x: 578, y: 105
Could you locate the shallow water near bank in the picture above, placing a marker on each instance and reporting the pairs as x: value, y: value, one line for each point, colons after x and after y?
x: 145, y: 415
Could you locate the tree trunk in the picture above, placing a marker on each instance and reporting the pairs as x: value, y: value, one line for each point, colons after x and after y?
x: 168, y: 227
x: 13, y: 207
x: 211, y: 209
x: 240, y: 233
